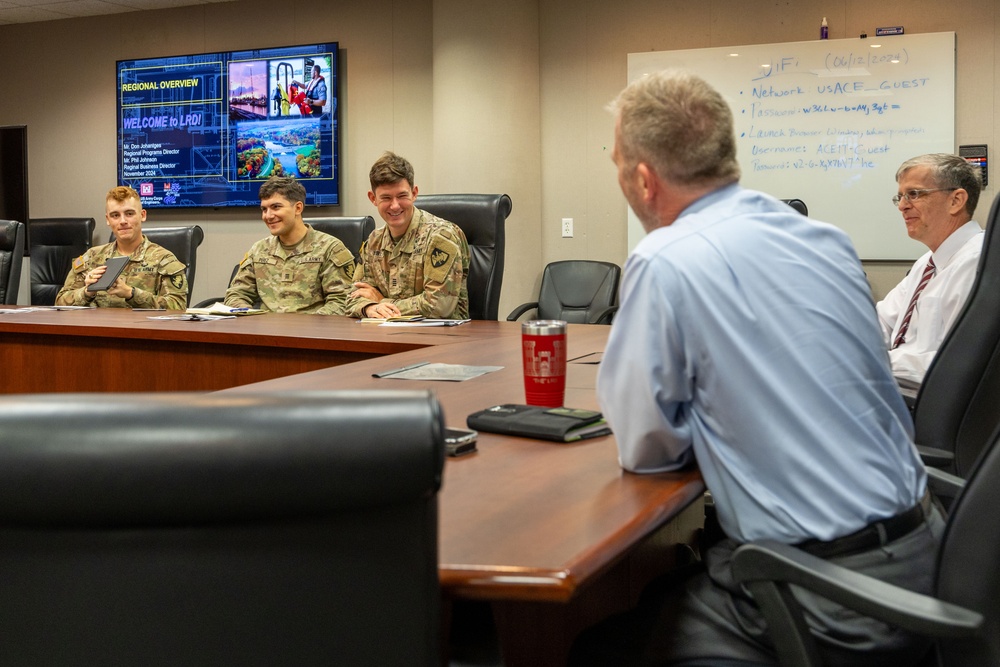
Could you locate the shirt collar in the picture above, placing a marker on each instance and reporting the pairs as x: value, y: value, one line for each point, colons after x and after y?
x: 954, y: 242
x: 279, y: 249
x: 406, y: 241
x: 136, y: 255
x: 707, y: 200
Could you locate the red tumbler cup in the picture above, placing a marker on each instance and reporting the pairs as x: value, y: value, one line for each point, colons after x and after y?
x: 543, y: 344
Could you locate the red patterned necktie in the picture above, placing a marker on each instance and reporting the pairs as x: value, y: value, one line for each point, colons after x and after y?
x: 924, y: 279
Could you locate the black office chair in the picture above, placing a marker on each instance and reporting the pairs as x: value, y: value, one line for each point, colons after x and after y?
x: 578, y: 291
x: 798, y: 205
x: 482, y: 219
x: 208, y: 529
x: 352, y: 232
x: 956, y: 408
x: 183, y: 242
x: 11, y: 257
x: 53, y: 245
x: 963, y: 616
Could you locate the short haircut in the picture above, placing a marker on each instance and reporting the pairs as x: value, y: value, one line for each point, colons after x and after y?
x: 390, y: 169
x: 949, y: 171
x: 286, y: 186
x: 680, y: 126
x: 122, y: 193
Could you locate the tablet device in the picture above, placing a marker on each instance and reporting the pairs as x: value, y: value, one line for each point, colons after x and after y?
x: 115, y: 267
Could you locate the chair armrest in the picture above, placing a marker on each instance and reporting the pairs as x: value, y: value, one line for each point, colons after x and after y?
x: 943, y: 484
x: 605, y: 316
x: 521, y: 310
x: 773, y: 562
x: 936, y: 458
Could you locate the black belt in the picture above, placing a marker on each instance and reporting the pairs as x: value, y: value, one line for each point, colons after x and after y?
x: 875, y: 534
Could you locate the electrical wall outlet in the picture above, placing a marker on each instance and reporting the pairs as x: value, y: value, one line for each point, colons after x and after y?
x: 567, y: 228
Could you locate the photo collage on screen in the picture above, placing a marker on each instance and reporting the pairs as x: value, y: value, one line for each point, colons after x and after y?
x: 280, y: 108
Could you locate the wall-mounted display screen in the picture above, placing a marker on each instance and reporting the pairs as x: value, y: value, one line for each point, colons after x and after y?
x: 207, y: 129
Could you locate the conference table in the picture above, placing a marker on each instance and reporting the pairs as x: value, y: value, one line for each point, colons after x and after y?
x: 554, y: 536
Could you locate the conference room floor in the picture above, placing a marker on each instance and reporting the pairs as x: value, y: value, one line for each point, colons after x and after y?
x: 555, y: 536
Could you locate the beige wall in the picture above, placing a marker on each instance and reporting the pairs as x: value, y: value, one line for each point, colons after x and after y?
x: 484, y: 96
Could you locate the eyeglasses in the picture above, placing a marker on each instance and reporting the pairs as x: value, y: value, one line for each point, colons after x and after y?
x: 913, y: 195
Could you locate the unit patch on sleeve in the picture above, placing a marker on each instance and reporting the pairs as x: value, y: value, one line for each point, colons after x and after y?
x: 443, y: 256
x: 439, y: 258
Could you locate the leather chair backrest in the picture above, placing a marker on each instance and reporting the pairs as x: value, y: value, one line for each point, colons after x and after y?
x: 213, y: 529
x: 956, y: 408
x: 352, y: 232
x: 798, y: 205
x: 54, y: 244
x: 577, y: 291
x: 482, y: 219
x: 11, y: 258
x: 183, y: 242
x: 967, y: 563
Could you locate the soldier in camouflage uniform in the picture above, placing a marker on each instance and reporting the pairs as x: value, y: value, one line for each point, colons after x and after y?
x: 297, y: 269
x: 153, y: 277
x: 417, y: 264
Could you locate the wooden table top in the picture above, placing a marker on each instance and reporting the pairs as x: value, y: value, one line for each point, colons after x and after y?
x: 521, y: 518
x: 288, y: 330
x: 121, y: 350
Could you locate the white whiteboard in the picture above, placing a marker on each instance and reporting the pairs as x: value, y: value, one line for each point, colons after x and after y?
x: 830, y: 121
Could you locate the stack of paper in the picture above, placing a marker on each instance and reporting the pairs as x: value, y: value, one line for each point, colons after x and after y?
x: 219, y: 308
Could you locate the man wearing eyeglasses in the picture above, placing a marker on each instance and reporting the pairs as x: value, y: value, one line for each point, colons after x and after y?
x: 937, y: 196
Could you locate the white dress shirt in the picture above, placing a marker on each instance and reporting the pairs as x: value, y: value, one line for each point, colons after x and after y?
x: 938, y: 305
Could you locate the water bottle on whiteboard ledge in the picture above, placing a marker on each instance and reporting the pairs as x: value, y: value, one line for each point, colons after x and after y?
x: 824, y: 30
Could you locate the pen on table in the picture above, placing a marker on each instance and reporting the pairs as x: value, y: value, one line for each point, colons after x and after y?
x: 399, y: 370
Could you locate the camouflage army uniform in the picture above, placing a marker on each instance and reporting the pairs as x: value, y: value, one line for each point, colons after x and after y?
x: 313, y: 277
x: 424, y: 273
x: 158, y: 278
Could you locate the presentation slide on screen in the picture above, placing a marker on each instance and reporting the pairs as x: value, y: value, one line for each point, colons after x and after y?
x: 208, y: 129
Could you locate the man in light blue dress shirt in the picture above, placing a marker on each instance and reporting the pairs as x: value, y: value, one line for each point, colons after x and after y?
x: 747, y: 343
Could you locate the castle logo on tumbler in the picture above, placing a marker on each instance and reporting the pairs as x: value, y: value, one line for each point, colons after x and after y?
x: 544, y: 363
x: 543, y: 345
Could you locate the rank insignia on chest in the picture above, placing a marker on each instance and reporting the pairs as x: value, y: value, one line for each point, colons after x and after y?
x: 439, y: 258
